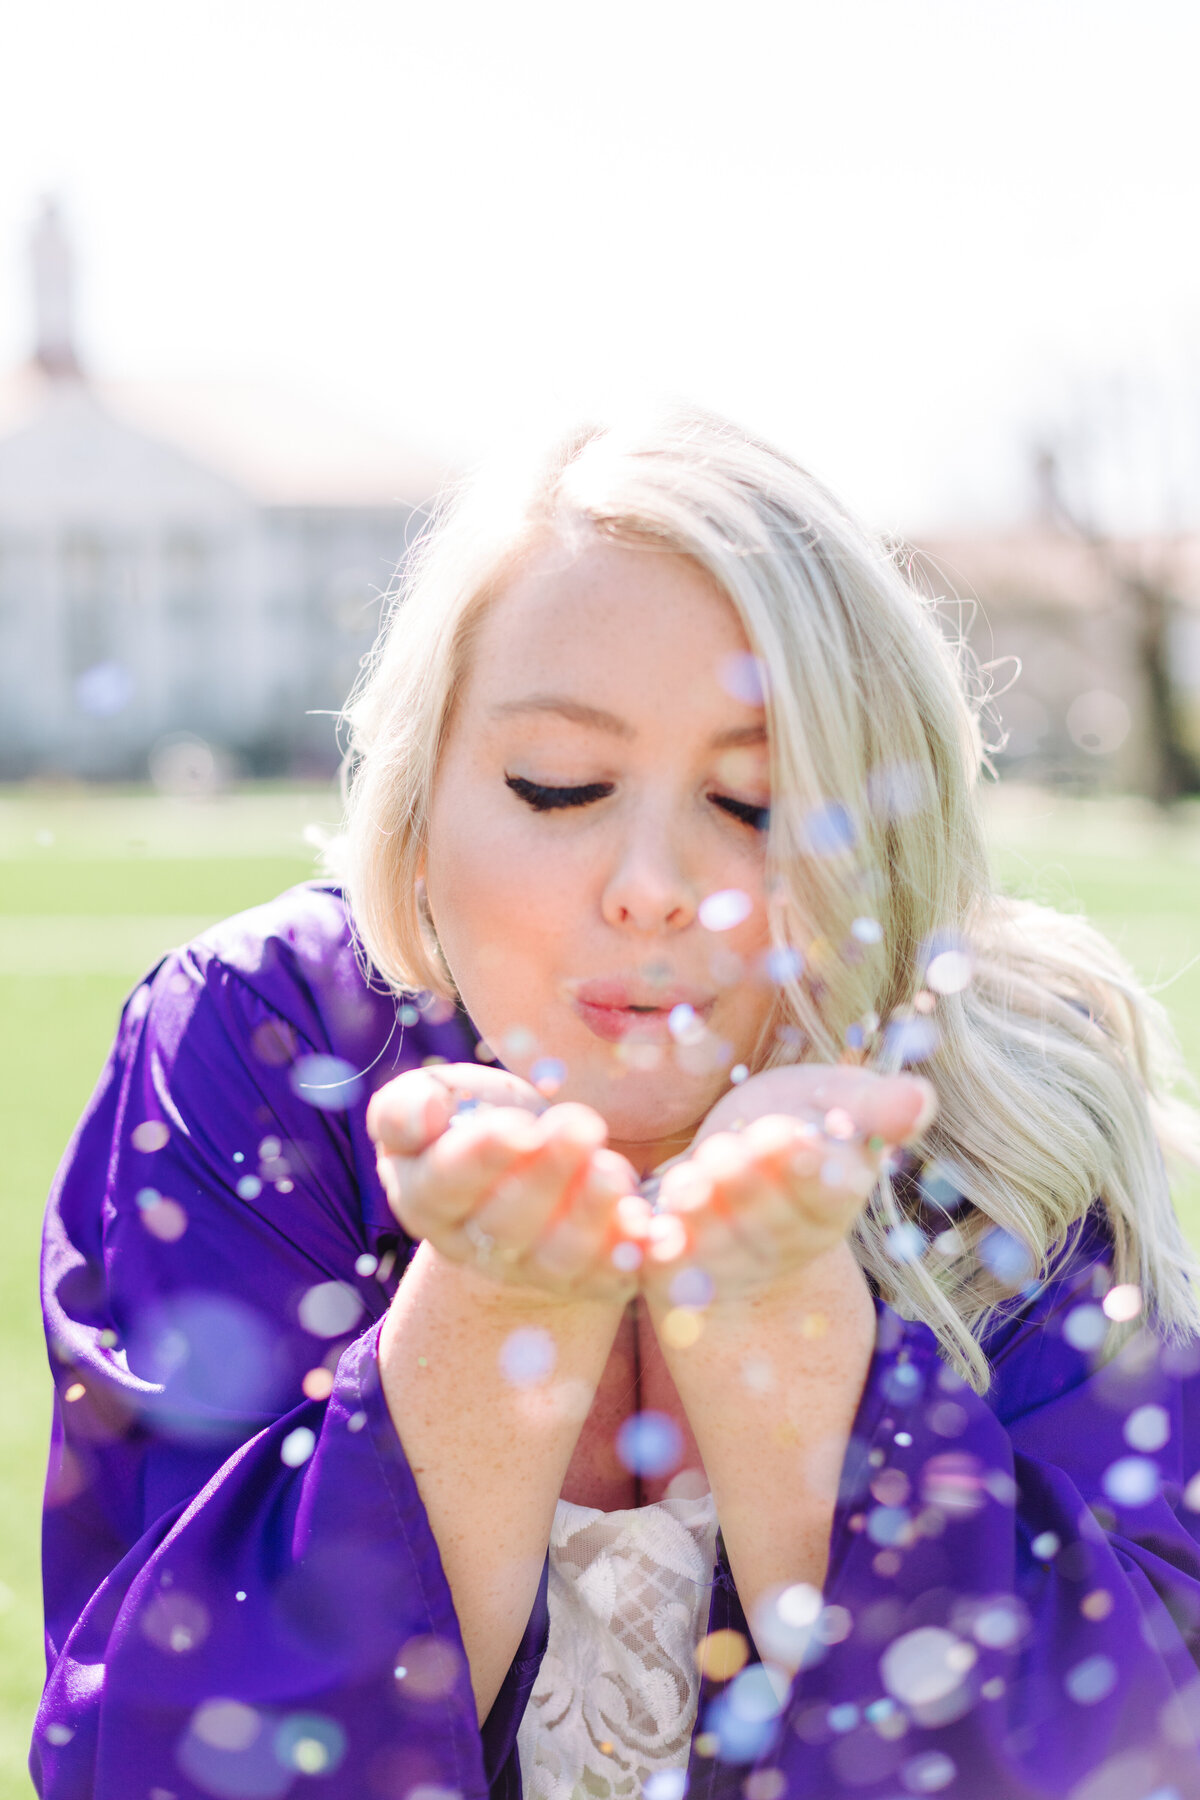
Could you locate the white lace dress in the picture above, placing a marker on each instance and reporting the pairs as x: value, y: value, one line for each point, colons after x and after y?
x: 615, y: 1698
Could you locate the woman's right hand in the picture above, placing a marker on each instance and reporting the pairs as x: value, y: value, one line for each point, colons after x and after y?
x: 525, y: 1193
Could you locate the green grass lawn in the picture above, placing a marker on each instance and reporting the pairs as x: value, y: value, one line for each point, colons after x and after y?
x: 94, y: 887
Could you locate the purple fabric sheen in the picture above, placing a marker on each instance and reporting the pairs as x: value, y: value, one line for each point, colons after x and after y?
x: 1013, y: 1600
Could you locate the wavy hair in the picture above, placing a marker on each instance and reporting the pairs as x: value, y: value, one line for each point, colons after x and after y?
x: 1054, y: 1069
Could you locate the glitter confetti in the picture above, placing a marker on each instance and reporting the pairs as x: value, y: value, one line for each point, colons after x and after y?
x: 150, y: 1135
x: 724, y: 909
x: 175, y: 1621
x: 691, y: 1287
x: 667, y: 1238
x: 685, y: 1025
x: 1091, y: 1680
x: 330, y: 1308
x: 759, y: 1376
x: 829, y: 830
x: 309, y: 1742
x: 649, y: 1443
x: 1148, y: 1428
x: 758, y: 1694
x: 1008, y: 1259
x: 783, y: 964
x: 165, y: 1220
x: 764, y: 1784
x: 949, y: 972
x: 681, y: 1327
x: 928, y: 1773
x: 867, y: 931
x: 327, y: 1082
x: 226, y: 1724
x: 428, y: 1667
x: 744, y: 678
x: 547, y: 1075
x: 925, y: 1666
x: 1122, y: 1303
x: 906, y: 1243
x: 908, y: 1041
x: 528, y: 1356
x: 297, y: 1447
x: 665, y: 1784
x: 785, y: 1623
x: 722, y: 1654
x: 1131, y: 1480
x: 1001, y: 1624
x: 1085, y: 1327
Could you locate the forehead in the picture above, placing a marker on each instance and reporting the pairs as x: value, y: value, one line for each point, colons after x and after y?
x: 632, y: 620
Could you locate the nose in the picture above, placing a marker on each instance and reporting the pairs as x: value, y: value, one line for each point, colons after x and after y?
x: 648, y: 888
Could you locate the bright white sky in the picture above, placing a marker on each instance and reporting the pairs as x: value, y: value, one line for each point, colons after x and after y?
x: 883, y: 231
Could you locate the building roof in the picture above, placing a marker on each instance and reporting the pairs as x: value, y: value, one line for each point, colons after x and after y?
x: 280, y: 448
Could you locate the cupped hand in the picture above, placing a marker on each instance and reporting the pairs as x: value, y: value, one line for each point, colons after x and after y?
x: 474, y: 1161
x: 778, y: 1173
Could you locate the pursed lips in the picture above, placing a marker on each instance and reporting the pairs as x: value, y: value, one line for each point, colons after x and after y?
x: 614, y: 1009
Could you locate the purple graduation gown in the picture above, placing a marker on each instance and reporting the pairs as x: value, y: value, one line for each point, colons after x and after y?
x: 243, y: 1595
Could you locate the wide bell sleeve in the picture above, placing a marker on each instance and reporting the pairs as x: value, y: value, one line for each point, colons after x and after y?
x: 1012, y: 1606
x: 242, y: 1590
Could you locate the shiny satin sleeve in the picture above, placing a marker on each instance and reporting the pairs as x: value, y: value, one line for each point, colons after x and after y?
x: 242, y: 1590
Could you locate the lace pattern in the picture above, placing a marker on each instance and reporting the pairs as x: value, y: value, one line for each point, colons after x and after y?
x: 615, y: 1699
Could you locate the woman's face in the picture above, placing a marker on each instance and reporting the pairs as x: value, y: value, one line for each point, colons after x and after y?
x: 600, y: 781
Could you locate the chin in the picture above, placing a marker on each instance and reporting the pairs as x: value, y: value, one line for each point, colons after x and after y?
x: 641, y: 1107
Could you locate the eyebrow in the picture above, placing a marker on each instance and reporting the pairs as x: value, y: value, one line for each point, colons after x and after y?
x: 597, y: 719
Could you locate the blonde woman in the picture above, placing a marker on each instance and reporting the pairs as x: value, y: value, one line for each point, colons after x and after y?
x: 661, y: 1280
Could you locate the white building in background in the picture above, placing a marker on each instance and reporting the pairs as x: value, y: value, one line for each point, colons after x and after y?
x: 198, y: 558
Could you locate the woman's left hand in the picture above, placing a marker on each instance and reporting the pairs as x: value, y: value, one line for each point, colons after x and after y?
x: 780, y: 1171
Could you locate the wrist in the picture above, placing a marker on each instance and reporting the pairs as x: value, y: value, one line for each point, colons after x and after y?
x: 504, y: 1301
x: 827, y: 1291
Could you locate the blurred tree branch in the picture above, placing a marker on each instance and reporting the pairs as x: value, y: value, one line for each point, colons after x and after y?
x: 1140, y: 574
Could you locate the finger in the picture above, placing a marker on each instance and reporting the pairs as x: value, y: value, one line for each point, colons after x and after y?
x: 523, y: 1202
x: 599, y: 1209
x: 754, y: 1181
x: 409, y: 1112
x: 782, y: 1179
x: 862, y: 1103
x: 895, y: 1108
x: 459, y: 1170
x: 815, y: 1168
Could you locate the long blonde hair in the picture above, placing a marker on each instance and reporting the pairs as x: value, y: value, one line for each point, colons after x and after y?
x: 1053, y: 1068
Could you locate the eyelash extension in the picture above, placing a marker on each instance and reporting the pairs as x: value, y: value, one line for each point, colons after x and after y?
x: 553, y: 799
x: 757, y: 816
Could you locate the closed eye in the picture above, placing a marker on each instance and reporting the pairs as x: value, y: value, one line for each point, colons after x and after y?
x: 551, y: 799
x: 757, y: 816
